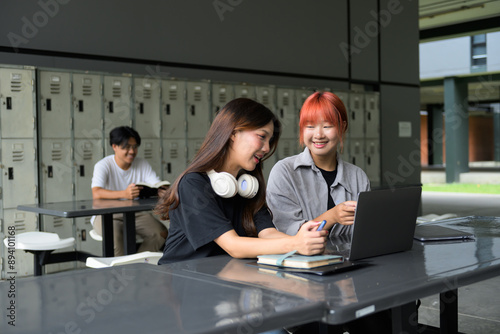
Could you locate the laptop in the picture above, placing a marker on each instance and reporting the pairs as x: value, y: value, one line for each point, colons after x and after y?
x: 427, y: 232
x: 384, y: 223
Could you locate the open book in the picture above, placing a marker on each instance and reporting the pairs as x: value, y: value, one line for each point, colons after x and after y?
x: 299, y: 261
x: 150, y: 190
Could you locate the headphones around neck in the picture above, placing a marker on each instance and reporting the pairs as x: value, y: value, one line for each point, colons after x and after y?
x: 226, y: 186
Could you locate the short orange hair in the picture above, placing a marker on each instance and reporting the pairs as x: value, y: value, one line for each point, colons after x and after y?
x: 323, y: 106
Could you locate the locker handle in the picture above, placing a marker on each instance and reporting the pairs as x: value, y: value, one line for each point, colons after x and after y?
x: 84, y: 235
x: 110, y: 106
x: 82, y: 170
x: 9, y: 103
x: 369, y: 116
x: 49, y: 105
x: 353, y: 115
x: 167, y: 109
x: 50, y: 172
x: 141, y: 108
x: 80, y: 105
x: 368, y: 160
x: 281, y: 113
x: 353, y: 160
x: 11, y: 173
x: 169, y: 168
x: 192, y: 110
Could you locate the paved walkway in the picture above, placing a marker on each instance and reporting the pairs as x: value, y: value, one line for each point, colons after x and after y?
x: 462, y: 204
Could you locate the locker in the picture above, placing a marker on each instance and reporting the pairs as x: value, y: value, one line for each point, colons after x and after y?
x: 117, y: 102
x: 55, y: 104
x: 193, y: 146
x: 87, y: 106
x: 286, y: 148
x: 174, y: 158
x: 356, y: 115
x: 198, y: 109
x: 221, y: 94
x: 64, y: 228
x: 344, y: 96
x: 18, y: 172
x: 287, y: 112
x: 266, y: 96
x: 372, y: 163
x: 245, y: 91
x: 150, y: 150
x: 357, y: 152
x: 83, y: 241
x: 17, y: 103
x: 87, y: 154
x: 173, y: 109
x: 147, y: 107
x: 21, y: 222
x: 372, y: 115
x: 56, y: 168
x: 300, y: 97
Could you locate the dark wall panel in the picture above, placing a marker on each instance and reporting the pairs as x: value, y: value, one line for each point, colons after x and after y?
x: 364, y: 37
x: 290, y: 36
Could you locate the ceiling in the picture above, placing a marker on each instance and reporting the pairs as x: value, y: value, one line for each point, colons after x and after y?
x: 442, y: 19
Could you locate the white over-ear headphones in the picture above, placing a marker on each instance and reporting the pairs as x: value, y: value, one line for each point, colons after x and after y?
x: 226, y: 186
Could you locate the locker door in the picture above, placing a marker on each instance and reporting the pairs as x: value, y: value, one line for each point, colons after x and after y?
x: 245, y: 91
x: 356, y: 115
x: 147, y: 108
x: 56, y: 170
x: 117, y: 102
x: 173, y: 110
x: 193, y: 146
x: 18, y: 172
x: 357, y: 152
x: 198, y: 109
x: 372, y: 115
x: 286, y: 113
x: 300, y: 97
x: 174, y: 158
x: 83, y: 241
x: 151, y: 151
x: 55, y: 104
x: 221, y: 94
x: 87, y: 154
x: 17, y: 103
x: 22, y: 222
x: 372, y: 164
x: 266, y: 96
x: 87, y: 104
x: 344, y: 96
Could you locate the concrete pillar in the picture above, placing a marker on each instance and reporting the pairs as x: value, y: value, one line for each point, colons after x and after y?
x: 456, y: 123
x: 435, y: 134
x: 496, y: 131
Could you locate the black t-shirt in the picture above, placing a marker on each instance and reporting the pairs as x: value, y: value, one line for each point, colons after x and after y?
x: 329, y: 178
x: 202, y: 217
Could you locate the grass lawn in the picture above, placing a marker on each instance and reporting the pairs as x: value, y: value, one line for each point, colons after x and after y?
x: 463, y: 188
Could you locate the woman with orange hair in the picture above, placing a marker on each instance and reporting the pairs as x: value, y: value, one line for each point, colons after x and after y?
x: 317, y: 184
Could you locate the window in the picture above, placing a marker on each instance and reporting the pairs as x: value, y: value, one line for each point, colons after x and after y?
x: 478, y: 53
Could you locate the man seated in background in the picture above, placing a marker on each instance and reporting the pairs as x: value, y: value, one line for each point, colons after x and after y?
x: 115, y: 177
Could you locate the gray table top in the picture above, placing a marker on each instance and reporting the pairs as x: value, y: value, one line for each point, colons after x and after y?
x: 142, y: 298
x: 83, y: 208
x: 386, y: 281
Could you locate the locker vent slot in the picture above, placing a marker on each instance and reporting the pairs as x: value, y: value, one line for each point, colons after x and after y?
x: 17, y: 155
x: 174, y: 154
x: 56, y: 154
x: 87, y: 90
x: 287, y: 152
x: 172, y: 93
x: 117, y: 89
x: 19, y: 222
x: 148, y: 153
x: 265, y: 98
x: 286, y: 100
x: 197, y: 93
x: 87, y: 154
x: 146, y: 93
x: 55, y: 87
x: 15, y: 83
x: 58, y: 222
x: 356, y: 104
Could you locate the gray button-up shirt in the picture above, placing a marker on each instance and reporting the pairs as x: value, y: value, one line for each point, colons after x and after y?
x: 297, y: 191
